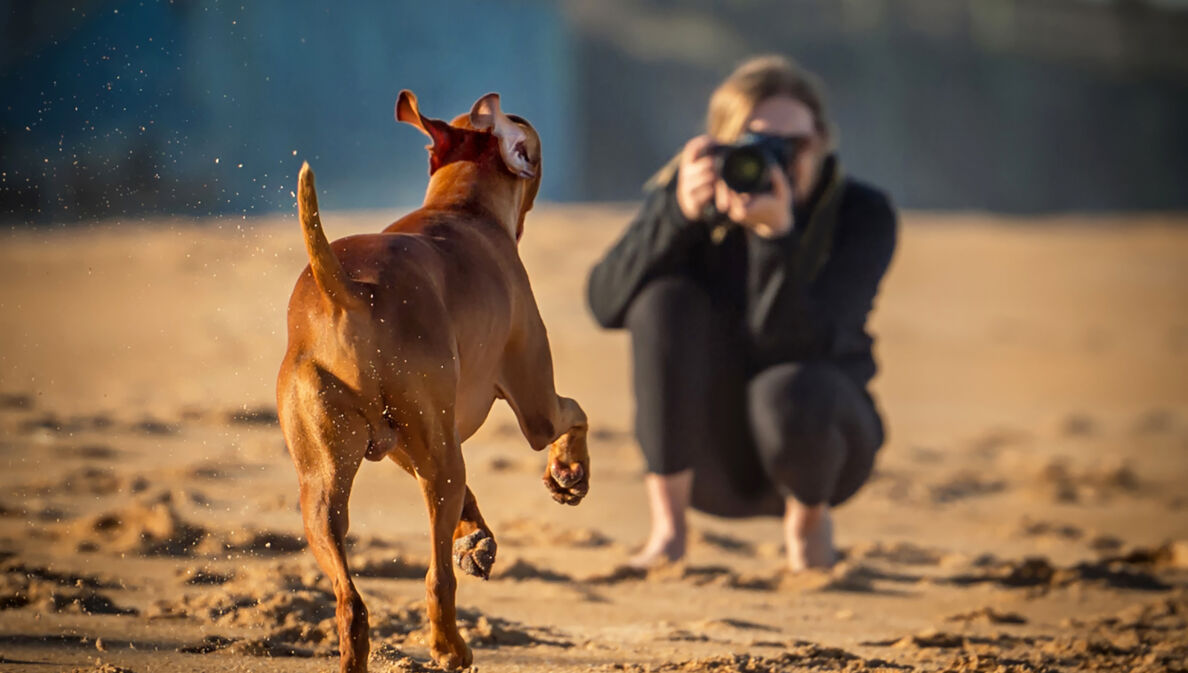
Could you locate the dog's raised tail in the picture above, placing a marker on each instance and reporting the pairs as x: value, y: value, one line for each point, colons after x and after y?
x: 327, y: 270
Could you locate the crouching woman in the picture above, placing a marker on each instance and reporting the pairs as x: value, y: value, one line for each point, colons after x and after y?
x: 747, y: 312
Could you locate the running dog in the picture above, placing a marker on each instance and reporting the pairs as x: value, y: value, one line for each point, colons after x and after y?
x: 399, y: 344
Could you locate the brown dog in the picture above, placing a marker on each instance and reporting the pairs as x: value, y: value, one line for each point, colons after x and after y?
x: 399, y: 343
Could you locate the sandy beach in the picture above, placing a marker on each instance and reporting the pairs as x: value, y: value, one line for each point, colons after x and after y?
x: 1028, y: 512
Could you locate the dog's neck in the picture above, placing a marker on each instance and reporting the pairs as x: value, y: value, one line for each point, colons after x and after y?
x: 465, y: 185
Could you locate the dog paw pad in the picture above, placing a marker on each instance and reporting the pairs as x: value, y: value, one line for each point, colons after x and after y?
x: 475, y: 553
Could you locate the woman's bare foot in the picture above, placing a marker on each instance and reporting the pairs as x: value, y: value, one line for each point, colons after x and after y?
x: 808, y: 534
x: 668, y: 498
x: 660, y: 549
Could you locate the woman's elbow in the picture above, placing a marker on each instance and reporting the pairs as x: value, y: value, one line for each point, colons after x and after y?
x: 605, y: 313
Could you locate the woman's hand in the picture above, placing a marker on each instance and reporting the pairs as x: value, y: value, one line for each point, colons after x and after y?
x: 696, y: 177
x: 768, y: 215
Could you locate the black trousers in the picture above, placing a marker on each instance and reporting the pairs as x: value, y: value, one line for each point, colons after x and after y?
x: 751, y: 438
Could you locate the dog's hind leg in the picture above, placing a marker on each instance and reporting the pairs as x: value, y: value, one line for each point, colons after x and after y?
x: 474, y: 543
x: 324, y: 509
x: 327, y: 449
x: 437, y: 456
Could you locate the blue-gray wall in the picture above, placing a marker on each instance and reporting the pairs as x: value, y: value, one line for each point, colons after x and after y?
x: 126, y: 109
x: 121, y: 107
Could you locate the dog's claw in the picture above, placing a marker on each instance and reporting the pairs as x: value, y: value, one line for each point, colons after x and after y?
x: 568, y: 484
x: 475, y: 553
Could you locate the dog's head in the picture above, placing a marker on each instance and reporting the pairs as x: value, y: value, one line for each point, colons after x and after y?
x: 502, y: 143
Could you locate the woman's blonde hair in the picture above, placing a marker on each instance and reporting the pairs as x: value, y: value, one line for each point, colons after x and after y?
x: 751, y: 83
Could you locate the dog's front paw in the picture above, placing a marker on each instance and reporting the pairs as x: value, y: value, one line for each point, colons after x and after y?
x: 475, y: 553
x: 568, y: 482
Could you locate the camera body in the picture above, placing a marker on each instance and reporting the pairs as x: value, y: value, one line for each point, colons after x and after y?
x: 745, y: 165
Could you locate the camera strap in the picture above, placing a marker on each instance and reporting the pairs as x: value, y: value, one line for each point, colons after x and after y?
x: 816, y: 237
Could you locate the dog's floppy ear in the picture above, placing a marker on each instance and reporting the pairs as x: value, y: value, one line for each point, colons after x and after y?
x: 442, y: 136
x: 513, y: 141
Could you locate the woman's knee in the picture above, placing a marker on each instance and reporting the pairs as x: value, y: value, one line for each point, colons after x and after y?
x: 803, y: 421
x: 795, y: 402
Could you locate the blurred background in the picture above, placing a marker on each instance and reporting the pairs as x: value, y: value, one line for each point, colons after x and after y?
x: 117, y: 108
x: 1027, y: 513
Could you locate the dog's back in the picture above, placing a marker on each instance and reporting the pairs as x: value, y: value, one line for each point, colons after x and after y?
x: 432, y: 298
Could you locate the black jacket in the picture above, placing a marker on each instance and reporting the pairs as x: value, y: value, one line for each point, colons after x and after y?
x: 801, y: 297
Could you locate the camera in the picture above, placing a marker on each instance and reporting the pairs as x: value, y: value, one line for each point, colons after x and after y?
x: 745, y: 165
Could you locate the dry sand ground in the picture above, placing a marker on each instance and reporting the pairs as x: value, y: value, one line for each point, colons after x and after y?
x: 1035, y: 380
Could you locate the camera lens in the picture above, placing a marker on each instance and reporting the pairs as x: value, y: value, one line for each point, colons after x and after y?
x: 744, y: 169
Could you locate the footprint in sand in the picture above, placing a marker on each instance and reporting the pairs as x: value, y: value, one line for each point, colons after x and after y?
x: 723, y: 542
x: 49, y: 422
x: 1155, y: 422
x: 800, y: 656
x: 203, y: 576
x: 991, y: 444
x: 525, y: 532
x: 53, y: 591
x: 153, y: 526
x: 519, y: 569
x: 964, y: 484
x: 154, y: 427
x: 386, y: 564
x: 87, y: 480
x: 1037, y: 572
x: 101, y: 667
x: 260, y: 415
x: 1079, y: 425
x: 90, y: 452
x: 16, y: 402
x: 903, y: 553
x: 987, y: 615
x: 296, y: 608
x: 1032, y: 528
x: 1057, y: 481
x: 1144, y: 637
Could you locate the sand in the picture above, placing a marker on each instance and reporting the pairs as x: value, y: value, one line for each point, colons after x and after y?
x: 1028, y: 512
